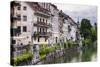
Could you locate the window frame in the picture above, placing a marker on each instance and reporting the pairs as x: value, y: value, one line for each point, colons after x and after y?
x: 13, y: 42
x: 24, y: 8
x: 19, y: 8
x: 24, y: 18
x: 24, y: 28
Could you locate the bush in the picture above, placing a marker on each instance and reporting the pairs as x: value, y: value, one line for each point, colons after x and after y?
x: 46, y: 50
x: 22, y: 57
x: 57, y: 46
x: 42, y: 57
x: 87, y: 42
x: 65, y: 45
x: 71, y: 44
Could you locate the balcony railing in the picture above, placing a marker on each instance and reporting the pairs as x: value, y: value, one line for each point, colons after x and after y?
x: 42, y: 24
x: 15, y: 32
x: 42, y: 12
x: 45, y: 33
x: 14, y: 18
x: 42, y: 34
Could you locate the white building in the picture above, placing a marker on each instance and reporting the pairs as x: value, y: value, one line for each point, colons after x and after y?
x: 38, y: 23
x: 33, y: 25
x: 72, y: 26
x: 23, y: 24
x: 55, y: 23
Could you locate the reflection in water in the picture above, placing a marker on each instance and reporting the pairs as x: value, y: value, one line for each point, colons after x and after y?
x: 83, y: 55
x: 79, y: 55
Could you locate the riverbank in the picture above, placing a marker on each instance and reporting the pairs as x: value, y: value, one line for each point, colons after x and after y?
x: 56, y: 54
x: 67, y: 55
x: 71, y: 55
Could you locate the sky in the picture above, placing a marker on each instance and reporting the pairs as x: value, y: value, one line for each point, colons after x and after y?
x: 77, y: 12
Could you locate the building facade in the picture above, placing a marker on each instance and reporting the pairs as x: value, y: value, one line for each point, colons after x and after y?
x: 38, y: 23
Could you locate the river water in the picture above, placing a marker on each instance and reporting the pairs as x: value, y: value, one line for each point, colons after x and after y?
x: 83, y: 55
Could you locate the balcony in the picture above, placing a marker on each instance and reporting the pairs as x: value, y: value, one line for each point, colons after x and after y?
x: 42, y: 34
x: 42, y: 12
x: 14, y: 18
x: 42, y: 24
x: 15, y: 32
x: 21, y: 47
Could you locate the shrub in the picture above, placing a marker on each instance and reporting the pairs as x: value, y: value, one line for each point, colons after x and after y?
x: 87, y: 42
x: 22, y: 57
x: 42, y: 57
x: 65, y: 44
x: 71, y: 44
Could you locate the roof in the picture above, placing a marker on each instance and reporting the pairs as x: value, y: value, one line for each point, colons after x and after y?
x: 54, y: 6
x: 66, y: 16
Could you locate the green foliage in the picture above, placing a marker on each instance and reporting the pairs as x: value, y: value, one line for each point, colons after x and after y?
x: 23, y: 57
x: 94, y: 34
x: 42, y: 57
x: 85, y: 28
x: 70, y: 44
x: 87, y: 42
x: 45, y: 50
x: 65, y: 44
x: 57, y: 46
x: 88, y: 31
x: 87, y: 52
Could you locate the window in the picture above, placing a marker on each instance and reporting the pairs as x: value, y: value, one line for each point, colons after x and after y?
x: 21, y: 44
x: 40, y: 30
x: 56, y: 39
x: 19, y: 8
x: 24, y: 8
x: 24, y: 29
x: 24, y: 18
x: 46, y: 21
x: 38, y: 39
x: 44, y: 5
x: 71, y: 38
x: 45, y: 39
x: 19, y: 29
x: 43, y: 20
x: 69, y: 28
x: 49, y: 7
x: 43, y: 30
x: 13, y: 41
x: 40, y: 19
x: 19, y: 17
x: 46, y: 29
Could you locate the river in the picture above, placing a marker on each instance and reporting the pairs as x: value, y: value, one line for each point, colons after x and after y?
x: 83, y: 55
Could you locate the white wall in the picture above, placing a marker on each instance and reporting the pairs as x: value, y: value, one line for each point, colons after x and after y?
x: 25, y: 37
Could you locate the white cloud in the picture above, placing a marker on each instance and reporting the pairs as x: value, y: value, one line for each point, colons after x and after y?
x: 81, y: 11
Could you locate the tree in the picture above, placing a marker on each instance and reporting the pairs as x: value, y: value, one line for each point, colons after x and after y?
x: 85, y: 28
x: 94, y: 34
